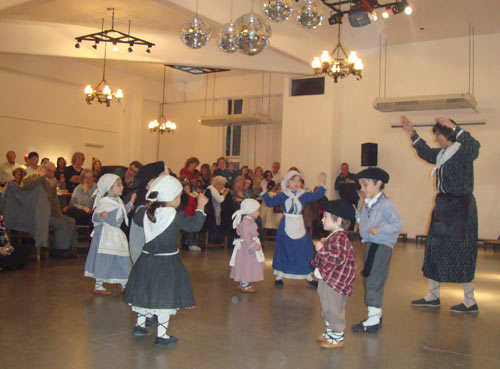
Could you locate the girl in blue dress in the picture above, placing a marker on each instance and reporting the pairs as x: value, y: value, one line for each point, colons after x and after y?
x: 293, y: 250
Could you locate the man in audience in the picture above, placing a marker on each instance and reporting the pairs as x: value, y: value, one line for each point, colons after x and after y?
x: 276, y: 172
x: 32, y: 163
x: 65, y: 236
x: 347, y: 187
x: 130, y: 183
x: 7, y: 168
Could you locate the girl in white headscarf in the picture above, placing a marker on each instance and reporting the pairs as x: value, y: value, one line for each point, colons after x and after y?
x: 247, y: 261
x: 108, y: 260
x: 159, y: 283
x: 293, y: 250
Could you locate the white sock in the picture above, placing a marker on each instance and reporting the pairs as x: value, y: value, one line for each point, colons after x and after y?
x: 335, y: 337
x: 374, y: 315
x: 433, y: 290
x: 123, y: 284
x: 141, y: 320
x: 309, y: 278
x: 279, y: 278
x: 163, y: 320
x: 98, y: 285
x: 469, y: 299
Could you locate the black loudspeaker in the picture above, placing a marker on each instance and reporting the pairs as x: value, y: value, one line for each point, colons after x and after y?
x: 369, y: 154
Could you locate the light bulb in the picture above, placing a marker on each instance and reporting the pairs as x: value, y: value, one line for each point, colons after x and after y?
x: 316, y: 64
x: 119, y: 94
x: 115, y: 47
x: 352, y: 57
x: 325, y: 57
x: 358, y: 65
x: 88, y: 89
x: 408, y: 10
x: 375, y: 17
x: 174, y: 126
x: 385, y: 14
x: 106, y: 90
x: 151, y: 125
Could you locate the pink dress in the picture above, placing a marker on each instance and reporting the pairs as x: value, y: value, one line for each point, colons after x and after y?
x: 247, y: 268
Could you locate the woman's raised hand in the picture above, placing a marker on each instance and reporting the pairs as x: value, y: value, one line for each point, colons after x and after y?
x: 407, y: 124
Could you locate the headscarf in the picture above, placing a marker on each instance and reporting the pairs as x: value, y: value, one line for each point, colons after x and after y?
x: 103, y: 203
x: 248, y: 206
x: 167, y: 189
x: 292, y: 203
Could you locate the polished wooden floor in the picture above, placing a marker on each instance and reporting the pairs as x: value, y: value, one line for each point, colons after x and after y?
x: 50, y: 319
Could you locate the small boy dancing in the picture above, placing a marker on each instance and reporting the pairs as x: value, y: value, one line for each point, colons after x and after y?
x: 335, y: 269
x: 379, y: 227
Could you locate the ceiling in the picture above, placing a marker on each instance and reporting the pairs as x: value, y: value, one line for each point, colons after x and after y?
x: 49, y: 27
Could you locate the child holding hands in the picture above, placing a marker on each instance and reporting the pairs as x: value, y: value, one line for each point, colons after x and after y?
x: 335, y: 270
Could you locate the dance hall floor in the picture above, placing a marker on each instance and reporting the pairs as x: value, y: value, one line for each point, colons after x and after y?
x: 50, y: 319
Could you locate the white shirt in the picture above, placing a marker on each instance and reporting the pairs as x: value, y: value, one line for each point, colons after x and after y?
x: 30, y: 170
x: 372, y: 200
x: 6, y: 171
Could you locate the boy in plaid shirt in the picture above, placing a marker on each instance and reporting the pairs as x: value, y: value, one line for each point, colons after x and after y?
x: 335, y: 269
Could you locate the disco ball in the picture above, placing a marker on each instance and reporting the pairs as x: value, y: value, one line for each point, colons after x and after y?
x: 277, y: 10
x: 226, y: 38
x: 195, y: 33
x: 309, y: 13
x: 252, y: 33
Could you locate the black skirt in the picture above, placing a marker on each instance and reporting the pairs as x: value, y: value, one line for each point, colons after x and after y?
x: 451, y: 247
x: 159, y: 282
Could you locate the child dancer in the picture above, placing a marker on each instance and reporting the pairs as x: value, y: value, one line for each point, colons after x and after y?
x: 247, y: 260
x: 293, y: 250
x: 109, y: 257
x: 379, y: 227
x: 335, y: 269
x: 159, y: 283
x: 188, y: 205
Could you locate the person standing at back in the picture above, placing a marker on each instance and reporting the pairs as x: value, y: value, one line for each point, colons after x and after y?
x: 347, y: 187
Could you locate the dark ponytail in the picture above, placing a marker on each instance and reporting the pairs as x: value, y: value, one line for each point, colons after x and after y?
x: 151, y: 208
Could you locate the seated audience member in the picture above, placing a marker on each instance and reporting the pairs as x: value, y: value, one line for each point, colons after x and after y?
x: 237, y: 192
x: 60, y: 168
x: 250, y: 174
x: 190, y: 170
x: 219, y: 210
x: 72, y: 173
x: 276, y: 172
x: 188, y: 206
x: 257, y: 179
x: 7, y: 168
x: 12, y: 258
x: 205, y: 178
x: 268, y: 181
x: 130, y: 183
x: 18, y: 174
x: 213, y: 168
x: 80, y: 205
x: 65, y: 237
x: 32, y: 163
x: 96, y: 169
x: 221, y: 168
x: 248, y: 189
x: 244, y: 171
x: 44, y: 160
x: 232, y: 174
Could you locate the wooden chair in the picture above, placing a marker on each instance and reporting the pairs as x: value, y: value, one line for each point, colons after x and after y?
x: 209, y: 244
x: 420, y: 238
x: 18, y: 237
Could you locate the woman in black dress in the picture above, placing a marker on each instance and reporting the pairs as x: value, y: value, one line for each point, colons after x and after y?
x: 451, y: 247
x: 159, y: 283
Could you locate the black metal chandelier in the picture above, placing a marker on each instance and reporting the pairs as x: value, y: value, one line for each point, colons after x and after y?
x: 114, y: 36
x: 161, y: 124
x: 102, y: 92
x: 337, y: 64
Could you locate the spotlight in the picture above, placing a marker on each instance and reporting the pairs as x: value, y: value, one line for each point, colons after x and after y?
x: 335, y: 18
x: 358, y: 17
x: 399, y: 7
x: 95, y: 46
x: 385, y: 14
x: 115, y: 47
x: 149, y: 49
x: 77, y: 45
x: 130, y: 49
x: 408, y: 10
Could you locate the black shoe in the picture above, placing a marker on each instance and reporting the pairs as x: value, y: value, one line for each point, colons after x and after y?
x: 165, y: 341
x: 152, y: 321
x: 424, y: 302
x: 313, y: 283
x: 464, y: 309
x: 361, y: 328
x: 140, y: 331
x: 279, y: 283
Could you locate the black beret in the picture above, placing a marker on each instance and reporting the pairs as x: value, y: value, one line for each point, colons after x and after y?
x: 374, y: 173
x: 340, y: 208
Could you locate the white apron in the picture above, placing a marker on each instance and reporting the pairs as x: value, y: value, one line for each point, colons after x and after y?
x: 113, y: 241
x: 294, y: 226
x: 259, y: 254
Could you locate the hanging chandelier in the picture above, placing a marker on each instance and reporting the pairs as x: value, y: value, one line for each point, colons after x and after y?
x: 161, y: 124
x: 336, y: 64
x: 114, y: 36
x: 102, y: 92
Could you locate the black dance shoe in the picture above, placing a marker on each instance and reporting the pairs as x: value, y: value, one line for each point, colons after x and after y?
x: 140, y: 331
x: 153, y: 321
x: 464, y: 309
x: 313, y: 283
x: 361, y: 328
x: 165, y: 341
x: 279, y: 283
x: 423, y: 302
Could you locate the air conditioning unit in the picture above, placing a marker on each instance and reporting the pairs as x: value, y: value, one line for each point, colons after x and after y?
x: 242, y: 119
x: 430, y: 102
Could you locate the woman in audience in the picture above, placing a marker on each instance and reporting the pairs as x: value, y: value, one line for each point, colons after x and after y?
x: 250, y: 174
x: 221, y: 168
x: 268, y: 180
x: 96, y: 169
x: 72, y: 173
x: 60, y: 168
x: 205, y: 177
x: 80, y: 205
x: 257, y: 178
x: 190, y: 170
x: 248, y: 189
x: 237, y: 192
x: 44, y: 160
x: 19, y: 174
x: 244, y: 171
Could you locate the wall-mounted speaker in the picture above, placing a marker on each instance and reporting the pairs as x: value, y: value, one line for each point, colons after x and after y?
x: 369, y: 154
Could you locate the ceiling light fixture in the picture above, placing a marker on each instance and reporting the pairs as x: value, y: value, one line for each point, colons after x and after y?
x: 161, y: 124
x: 114, y: 36
x: 102, y: 92
x: 336, y: 64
